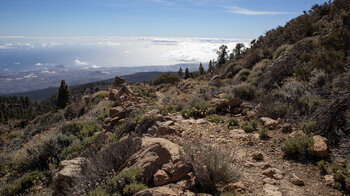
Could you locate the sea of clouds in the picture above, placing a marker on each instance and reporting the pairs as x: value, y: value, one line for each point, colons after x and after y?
x: 20, y: 53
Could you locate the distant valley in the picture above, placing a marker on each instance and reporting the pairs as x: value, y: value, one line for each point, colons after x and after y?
x: 16, y: 83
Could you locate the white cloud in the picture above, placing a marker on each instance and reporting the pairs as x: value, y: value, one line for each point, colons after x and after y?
x: 108, y: 43
x: 79, y: 62
x: 39, y: 64
x: 31, y: 75
x: 16, y: 63
x: 48, y: 72
x: 6, y: 69
x: 94, y: 66
x: 244, y: 11
x: 6, y: 46
x: 198, y: 50
x: 126, y: 51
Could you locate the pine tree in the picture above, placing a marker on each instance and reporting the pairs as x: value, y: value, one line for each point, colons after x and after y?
x: 180, y: 73
x: 187, y: 73
x: 201, y: 69
x: 238, y: 49
x: 222, y: 55
x: 64, y: 96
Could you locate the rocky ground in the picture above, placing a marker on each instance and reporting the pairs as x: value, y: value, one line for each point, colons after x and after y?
x: 260, y: 163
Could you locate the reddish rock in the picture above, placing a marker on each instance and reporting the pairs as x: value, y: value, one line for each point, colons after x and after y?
x: 320, y: 146
x: 161, y: 178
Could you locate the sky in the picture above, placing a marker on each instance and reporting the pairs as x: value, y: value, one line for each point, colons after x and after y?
x: 244, y: 19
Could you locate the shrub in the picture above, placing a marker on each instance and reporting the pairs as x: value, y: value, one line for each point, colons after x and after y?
x: 121, y: 182
x: 298, y: 146
x: 341, y: 176
x: 250, y: 126
x: 279, y: 110
x: 264, y: 133
x: 197, y: 109
x: 228, y: 194
x: 137, y: 122
x: 245, y: 111
x: 245, y: 91
x: 81, y: 129
x: 24, y: 183
x: 167, y: 78
x: 306, y: 56
x: 99, y: 96
x: 132, y: 189
x: 37, y: 155
x: 144, y: 91
x: 323, y: 165
x: 77, y: 148
x: 211, y: 166
x: 215, y: 119
x: 308, y: 127
x: 308, y: 104
x: 280, y: 50
x: 232, y: 123
x: 242, y: 75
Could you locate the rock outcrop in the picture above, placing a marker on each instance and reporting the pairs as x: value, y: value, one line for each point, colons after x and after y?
x: 320, y: 146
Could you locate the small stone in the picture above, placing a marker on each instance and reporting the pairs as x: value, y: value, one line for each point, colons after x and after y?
x: 258, y: 156
x: 268, y: 181
x: 329, y: 180
x: 265, y: 166
x: 277, y: 176
x: 271, y: 171
x: 161, y: 178
x: 320, y: 146
x: 296, y: 180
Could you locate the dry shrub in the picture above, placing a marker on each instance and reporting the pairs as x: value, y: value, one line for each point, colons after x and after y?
x: 211, y: 166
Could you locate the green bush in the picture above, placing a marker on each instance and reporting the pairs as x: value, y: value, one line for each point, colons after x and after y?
x: 279, y: 110
x: 99, y: 96
x: 24, y: 183
x: 242, y: 75
x: 167, y: 78
x: 137, y: 122
x: 264, y: 133
x: 306, y: 56
x: 245, y: 111
x: 245, y: 91
x: 126, y: 182
x: 132, y: 189
x: 323, y: 165
x: 215, y: 119
x: 198, y: 109
x: 211, y: 166
x: 341, y: 176
x: 300, y: 146
x: 279, y: 50
x: 308, y: 126
x: 81, y: 129
x: 232, y: 123
x: 37, y: 155
x: 250, y: 126
x: 228, y: 194
x: 308, y: 104
x: 77, y: 148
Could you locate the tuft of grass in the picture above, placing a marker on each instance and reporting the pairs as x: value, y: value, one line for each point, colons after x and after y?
x: 245, y: 91
x: 300, y: 146
x: 99, y: 192
x: 264, y: 133
x: 24, y: 183
x: 198, y: 109
x: 232, y: 123
x: 77, y: 148
x: 323, y: 165
x: 167, y: 78
x: 81, y: 129
x: 250, y: 126
x: 308, y: 126
x: 14, y: 135
x: 215, y: 119
x: 211, y: 166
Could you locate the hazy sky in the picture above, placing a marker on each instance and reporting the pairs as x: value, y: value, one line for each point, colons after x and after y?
x: 156, y: 18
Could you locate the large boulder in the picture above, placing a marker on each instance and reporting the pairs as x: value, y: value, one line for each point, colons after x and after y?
x: 118, y: 81
x: 153, y: 154
x: 70, y: 177
x: 320, y: 146
x: 269, y: 122
x: 117, y: 112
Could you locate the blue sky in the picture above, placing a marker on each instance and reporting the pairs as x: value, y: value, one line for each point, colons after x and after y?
x: 158, y: 18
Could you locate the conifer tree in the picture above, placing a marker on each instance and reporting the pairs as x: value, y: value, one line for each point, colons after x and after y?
x: 187, y: 73
x: 201, y: 69
x: 180, y: 73
x: 222, y: 55
x: 64, y: 97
